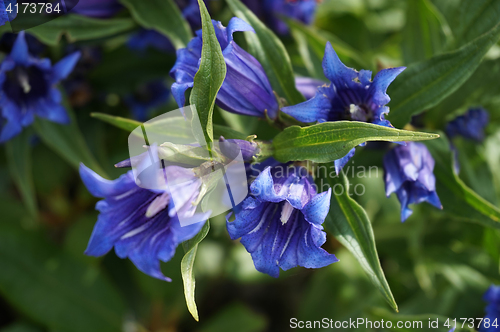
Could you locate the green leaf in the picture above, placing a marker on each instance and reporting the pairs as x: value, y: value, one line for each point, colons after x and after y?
x: 270, y: 52
x: 423, y: 34
x: 118, y: 121
x: 474, y: 170
x: 349, y: 223
x: 458, y: 199
x: 471, y: 19
x: 173, y: 122
x: 187, y: 265
x: 77, y: 28
x: 54, y: 289
x: 20, y: 167
x: 161, y: 15
x: 311, y: 45
x: 67, y: 141
x: 209, y: 77
x: 330, y: 141
x: 480, y: 89
x: 426, y: 83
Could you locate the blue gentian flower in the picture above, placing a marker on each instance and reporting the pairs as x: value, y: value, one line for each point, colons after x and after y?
x: 469, y: 125
x: 491, y: 321
x: 140, y: 224
x: 143, y: 39
x: 97, y: 8
x: 147, y: 98
x: 246, y: 89
x: 308, y: 86
x: 5, y: 14
x: 271, y: 10
x: 280, y: 222
x: 28, y: 88
x: 409, y: 173
x: 352, y: 96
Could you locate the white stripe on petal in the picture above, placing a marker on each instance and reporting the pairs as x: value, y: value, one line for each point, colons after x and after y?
x: 157, y: 205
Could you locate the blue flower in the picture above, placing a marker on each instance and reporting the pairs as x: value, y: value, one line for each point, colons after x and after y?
x: 491, y: 321
x: 97, y: 8
x: 271, y: 10
x: 28, y: 88
x: 140, y: 224
x: 469, y: 125
x: 409, y: 173
x: 279, y: 223
x: 147, y: 98
x: 7, y: 14
x: 351, y: 96
x: 246, y: 89
x: 143, y: 39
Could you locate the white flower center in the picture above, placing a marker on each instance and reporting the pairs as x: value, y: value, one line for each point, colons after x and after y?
x: 286, y: 212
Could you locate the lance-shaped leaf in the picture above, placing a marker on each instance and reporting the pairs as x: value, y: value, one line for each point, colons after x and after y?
x: 161, y: 15
x: 456, y: 197
x: 426, y: 83
x: 424, y: 33
x: 330, y: 141
x: 209, y: 77
x: 77, y: 28
x: 469, y: 19
x: 270, y: 52
x: 187, y: 265
x: 349, y: 223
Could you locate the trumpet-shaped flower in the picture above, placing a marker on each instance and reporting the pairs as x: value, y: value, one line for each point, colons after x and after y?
x: 140, y: 224
x: 409, y: 173
x: 351, y: 96
x: 280, y: 223
x: 246, y: 89
x: 28, y: 88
